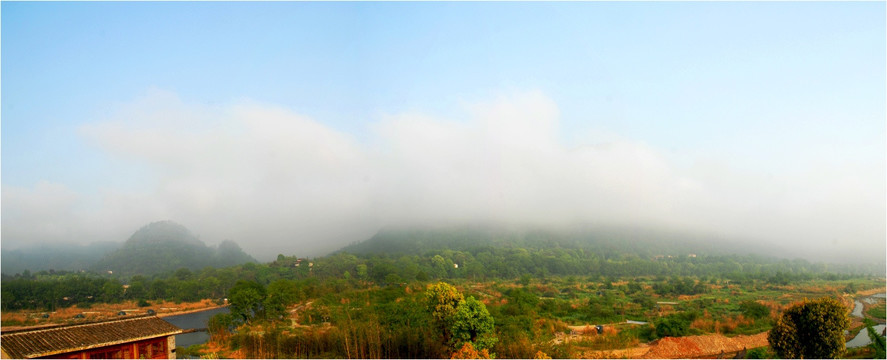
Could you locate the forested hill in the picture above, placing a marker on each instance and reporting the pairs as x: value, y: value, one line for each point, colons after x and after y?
x: 483, y: 252
x: 605, y: 241
x: 167, y: 246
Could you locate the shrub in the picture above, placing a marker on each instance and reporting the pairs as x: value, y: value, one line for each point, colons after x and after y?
x: 812, y: 329
x: 759, y: 353
x: 674, y: 324
x: 754, y: 310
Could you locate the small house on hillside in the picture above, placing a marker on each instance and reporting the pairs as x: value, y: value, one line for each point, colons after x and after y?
x: 130, y: 337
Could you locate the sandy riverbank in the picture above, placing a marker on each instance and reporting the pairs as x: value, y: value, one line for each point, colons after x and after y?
x: 163, y: 315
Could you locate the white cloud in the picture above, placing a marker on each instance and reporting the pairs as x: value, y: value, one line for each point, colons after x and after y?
x: 277, y: 181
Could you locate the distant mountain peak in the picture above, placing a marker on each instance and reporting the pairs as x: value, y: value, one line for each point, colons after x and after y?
x: 163, y: 231
x: 167, y: 246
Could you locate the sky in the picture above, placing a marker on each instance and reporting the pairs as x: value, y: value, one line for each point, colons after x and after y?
x: 298, y: 127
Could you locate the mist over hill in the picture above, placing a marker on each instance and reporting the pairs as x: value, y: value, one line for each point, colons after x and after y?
x: 645, y: 242
x: 155, y: 248
x: 166, y: 245
x: 607, y: 242
x: 70, y: 257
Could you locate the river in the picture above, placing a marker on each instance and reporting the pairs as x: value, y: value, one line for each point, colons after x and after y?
x: 195, y: 320
x: 862, y: 339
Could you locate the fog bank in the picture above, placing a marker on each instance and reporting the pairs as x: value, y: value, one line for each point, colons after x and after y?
x: 276, y: 181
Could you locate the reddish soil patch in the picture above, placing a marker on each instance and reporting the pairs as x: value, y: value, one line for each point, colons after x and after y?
x: 701, y: 346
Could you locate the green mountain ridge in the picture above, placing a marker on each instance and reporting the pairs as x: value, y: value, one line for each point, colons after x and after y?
x: 644, y: 242
x: 166, y: 246
x: 620, y: 251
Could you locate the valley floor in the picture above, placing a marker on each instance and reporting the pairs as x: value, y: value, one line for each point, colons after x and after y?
x: 721, y: 331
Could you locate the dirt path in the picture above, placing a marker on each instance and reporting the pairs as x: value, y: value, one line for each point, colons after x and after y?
x: 294, y: 314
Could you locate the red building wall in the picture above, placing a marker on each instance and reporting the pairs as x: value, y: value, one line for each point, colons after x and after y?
x: 146, y: 349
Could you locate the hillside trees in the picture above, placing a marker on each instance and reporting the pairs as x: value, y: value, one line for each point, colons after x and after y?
x: 810, y: 330
x: 112, y: 291
x: 442, y: 299
x: 246, y: 299
x: 473, y: 324
x: 251, y: 300
x: 281, y: 293
x: 417, y: 256
x: 458, y: 319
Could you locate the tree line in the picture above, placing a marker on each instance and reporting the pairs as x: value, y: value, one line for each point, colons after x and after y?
x: 50, y: 289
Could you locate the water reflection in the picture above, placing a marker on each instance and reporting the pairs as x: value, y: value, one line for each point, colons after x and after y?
x: 862, y: 338
x: 197, y: 320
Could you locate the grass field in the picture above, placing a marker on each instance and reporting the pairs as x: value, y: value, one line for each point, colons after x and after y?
x: 878, y: 311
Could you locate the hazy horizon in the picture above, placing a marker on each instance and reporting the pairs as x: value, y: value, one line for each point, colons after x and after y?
x: 298, y: 128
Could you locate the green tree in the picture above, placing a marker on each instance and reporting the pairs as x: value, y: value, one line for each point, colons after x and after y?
x: 112, y: 291
x: 472, y: 323
x: 525, y: 279
x: 159, y: 288
x: 442, y: 299
x: 209, y: 287
x: 439, y: 266
x: 246, y: 299
x: 137, y: 290
x: 281, y: 293
x: 421, y: 276
x: 811, y: 330
x: 183, y: 274
x: 392, y: 279
x: 8, y: 298
x: 674, y: 325
x: 362, y: 273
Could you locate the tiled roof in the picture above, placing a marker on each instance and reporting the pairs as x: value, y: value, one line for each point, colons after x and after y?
x: 67, y: 338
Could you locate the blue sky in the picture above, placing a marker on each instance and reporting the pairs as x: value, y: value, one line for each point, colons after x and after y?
x: 771, y: 92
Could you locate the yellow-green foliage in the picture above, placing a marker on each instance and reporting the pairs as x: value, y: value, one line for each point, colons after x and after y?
x: 811, y: 330
x: 443, y: 299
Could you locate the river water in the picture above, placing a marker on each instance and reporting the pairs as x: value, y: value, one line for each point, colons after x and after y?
x: 196, y: 320
x: 862, y: 339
